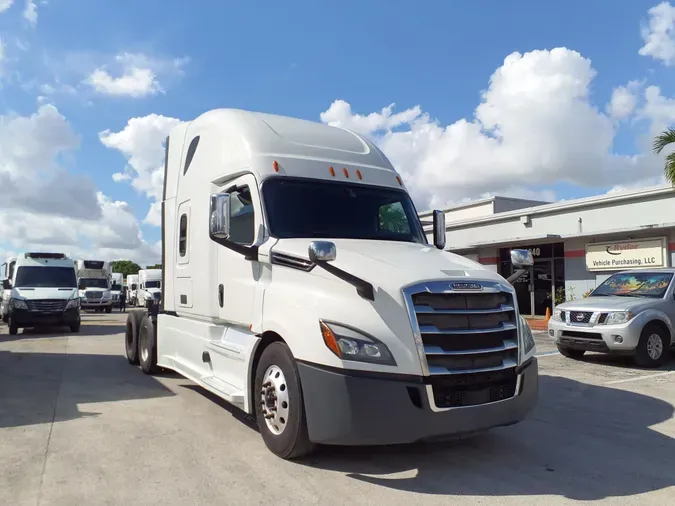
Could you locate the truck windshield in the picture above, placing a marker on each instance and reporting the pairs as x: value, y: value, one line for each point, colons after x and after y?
x: 94, y: 282
x: 638, y: 284
x: 45, y: 277
x: 152, y: 284
x: 299, y: 208
x: 116, y: 287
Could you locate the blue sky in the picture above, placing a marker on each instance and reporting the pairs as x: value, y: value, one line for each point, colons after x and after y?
x: 297, y: 58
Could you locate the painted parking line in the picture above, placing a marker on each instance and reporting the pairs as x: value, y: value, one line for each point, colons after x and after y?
x: 640, y: 378
x: 547, y: 353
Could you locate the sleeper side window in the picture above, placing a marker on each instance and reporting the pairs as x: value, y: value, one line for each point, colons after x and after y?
x: 182, y: 235
x: 242, y: 216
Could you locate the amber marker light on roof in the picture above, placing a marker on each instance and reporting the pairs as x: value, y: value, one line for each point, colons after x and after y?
x: 399, y: 180
x: 331, y: 170
x: 344, y: 171
x: 358, y: 174
x: 275, y: 166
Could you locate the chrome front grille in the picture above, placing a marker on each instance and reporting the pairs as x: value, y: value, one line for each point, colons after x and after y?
x: 467, y: 341
x: 580, y: 316
x: 47, y: 305
x: 93, y: 295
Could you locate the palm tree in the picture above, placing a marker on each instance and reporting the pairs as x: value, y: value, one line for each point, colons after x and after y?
x: 660, y: 142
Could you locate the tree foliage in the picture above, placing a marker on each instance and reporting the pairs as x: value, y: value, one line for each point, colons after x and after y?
x: 156, y: 266
x: 666, y: 138
x: 126, y: 267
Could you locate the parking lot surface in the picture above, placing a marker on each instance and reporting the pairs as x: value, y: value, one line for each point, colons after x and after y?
x: 79, y: 425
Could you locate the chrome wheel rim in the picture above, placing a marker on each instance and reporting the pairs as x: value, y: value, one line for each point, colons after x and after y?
x: 654, y: 346
x: 274, y: 400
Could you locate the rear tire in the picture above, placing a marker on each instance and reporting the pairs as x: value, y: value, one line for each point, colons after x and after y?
x: 571, y: 352
x: 131, y: 336
x: 147, y: 346
x: 286, y: 435
x: 653, y: 348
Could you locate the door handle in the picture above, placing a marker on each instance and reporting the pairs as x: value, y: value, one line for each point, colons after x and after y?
x: 220, y: 294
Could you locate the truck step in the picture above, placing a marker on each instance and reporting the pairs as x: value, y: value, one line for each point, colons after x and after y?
x: 230, y: 392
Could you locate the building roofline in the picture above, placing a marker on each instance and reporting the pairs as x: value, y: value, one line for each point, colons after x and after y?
x: 565, y: 205
x: 478, y: 202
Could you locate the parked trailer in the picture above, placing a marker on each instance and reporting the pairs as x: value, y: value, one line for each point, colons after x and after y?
x: 299, y: 286
x: 93, y: 278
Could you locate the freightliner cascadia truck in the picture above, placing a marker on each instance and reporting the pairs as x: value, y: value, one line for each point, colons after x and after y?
x: 299, y: 285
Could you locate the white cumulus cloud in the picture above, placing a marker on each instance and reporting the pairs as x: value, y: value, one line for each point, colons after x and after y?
x: 5, y: 4
x: 141, y: 141
x: 30, y: 12
x: 535, y: 126
x: 133, y: 74
x: 659, y: 34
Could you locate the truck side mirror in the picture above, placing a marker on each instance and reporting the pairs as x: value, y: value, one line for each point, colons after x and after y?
x: 439, y: 229
x: 6, y: 285
x: 322, y: 251
x: 521, y: 258
x: 220, y: 215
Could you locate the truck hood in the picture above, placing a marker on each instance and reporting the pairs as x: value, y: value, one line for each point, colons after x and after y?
x: 44, y: 293
x: 153, y: 290
x: 393, y: 265
x: 607, y: 303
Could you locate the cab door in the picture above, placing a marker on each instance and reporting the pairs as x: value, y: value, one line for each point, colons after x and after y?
x: 238, y: 277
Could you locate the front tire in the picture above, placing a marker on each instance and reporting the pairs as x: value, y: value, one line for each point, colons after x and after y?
x: 13, y: 329
x: 571, y: 352
x: 147, y: 345
x: 652, y: 350
x: 279, y: 403
x: 108, y: 309
x: 75, y: 327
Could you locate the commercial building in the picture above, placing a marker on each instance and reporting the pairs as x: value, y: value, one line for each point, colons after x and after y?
x: 576, y: 244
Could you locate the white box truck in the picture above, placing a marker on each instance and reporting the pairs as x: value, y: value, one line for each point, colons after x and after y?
x: 43, y: 292
x: 6, y: 273
x: 93, y: 279
x: 299, y: 285
x: 116, y: 285
x: 132, y: 288
x: 149, y: 286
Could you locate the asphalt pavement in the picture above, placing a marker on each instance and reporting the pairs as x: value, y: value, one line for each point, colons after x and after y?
x: 80, y: 426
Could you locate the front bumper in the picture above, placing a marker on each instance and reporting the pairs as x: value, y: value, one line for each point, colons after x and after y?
x: 92, y: 304
x: 361, y: 409
x: 601, y: 338
x: 25, y: 318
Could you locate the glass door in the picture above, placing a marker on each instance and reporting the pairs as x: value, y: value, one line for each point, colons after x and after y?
x: 542, y: 286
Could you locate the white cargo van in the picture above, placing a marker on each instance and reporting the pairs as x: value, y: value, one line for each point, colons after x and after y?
x: 299, y: 286
x: 93, y: 279
x: 132, y: 288
x: 116, y: 285
x: 6, y: 272
x: 43, y: 292
x: 149, y: 286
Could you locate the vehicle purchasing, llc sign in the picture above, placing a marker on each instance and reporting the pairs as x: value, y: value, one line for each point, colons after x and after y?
x: 619, y: 255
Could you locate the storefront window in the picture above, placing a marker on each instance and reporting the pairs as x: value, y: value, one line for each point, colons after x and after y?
x: 536, y: 290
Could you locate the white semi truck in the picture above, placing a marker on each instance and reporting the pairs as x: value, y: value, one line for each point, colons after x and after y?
x: 43, y: 292
x: 6, y: 273
x: 149, y: 286
x: 116, y: 286
x: 298, y: 284
x: 93, y: 278
x: 132, y: 288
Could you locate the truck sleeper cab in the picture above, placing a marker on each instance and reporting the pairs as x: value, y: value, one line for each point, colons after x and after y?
x: 43, y: 292
x: 149, y: 286
x: 299, y: 286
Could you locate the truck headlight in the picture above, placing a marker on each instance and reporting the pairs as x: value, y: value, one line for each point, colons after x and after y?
x: 618, y: 317
x: 73, y: 303
x: 350, y: 344
x: 18, y: 303
x: 558, y: 315
x: 106, y: 294
x: 528, y: 344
